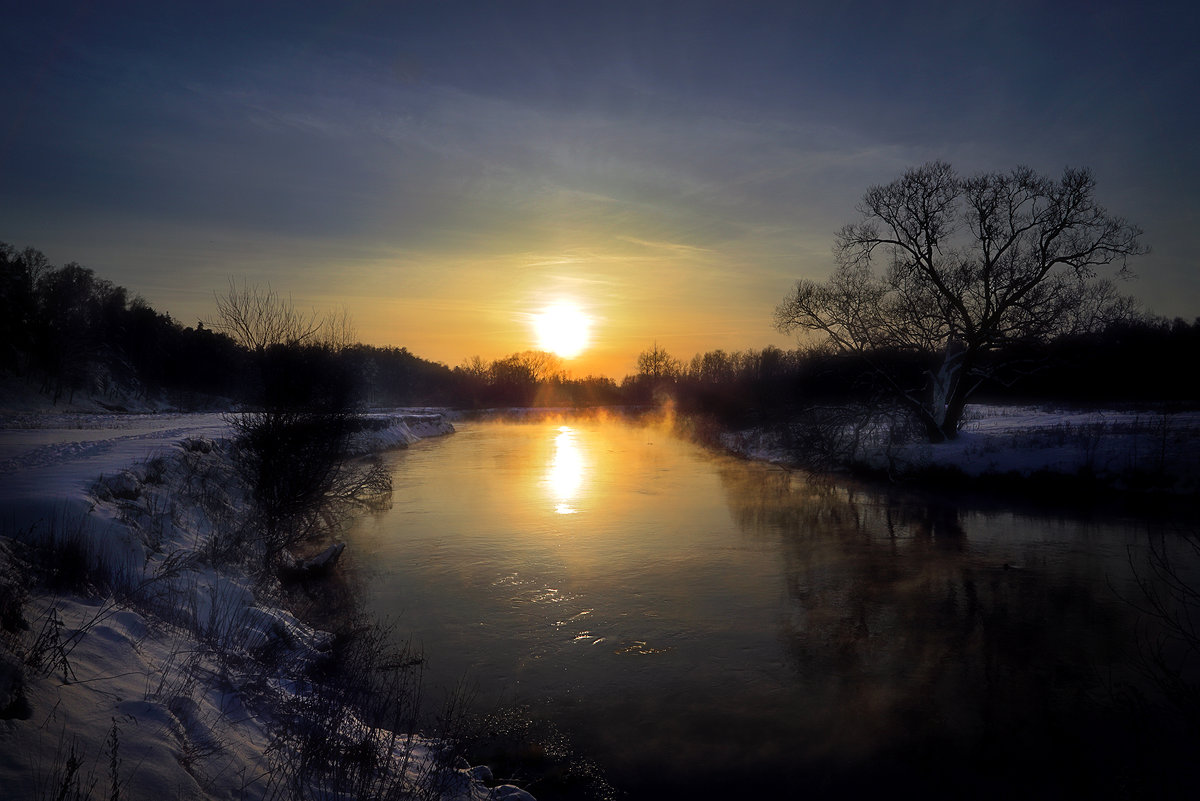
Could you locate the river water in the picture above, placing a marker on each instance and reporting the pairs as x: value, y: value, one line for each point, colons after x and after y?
x: 708, y: 627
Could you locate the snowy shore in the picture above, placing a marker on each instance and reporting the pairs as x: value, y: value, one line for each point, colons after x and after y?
x: 177, y: 679
x: 178, y: 676
x: 1124, y: 449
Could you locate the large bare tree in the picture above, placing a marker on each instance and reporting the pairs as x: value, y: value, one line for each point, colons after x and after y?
x: 956, y: 268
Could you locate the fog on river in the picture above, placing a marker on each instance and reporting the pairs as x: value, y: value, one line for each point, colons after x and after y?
x: 701, y: 624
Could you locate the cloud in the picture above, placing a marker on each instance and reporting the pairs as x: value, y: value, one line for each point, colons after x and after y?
x: 698, y: 155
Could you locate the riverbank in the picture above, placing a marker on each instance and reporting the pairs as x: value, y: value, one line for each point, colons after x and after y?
x: 180, y: 675
x: 1039, y: 452
x: 141, y: 658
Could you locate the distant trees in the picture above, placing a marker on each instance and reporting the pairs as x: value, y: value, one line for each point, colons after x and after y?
x: 970, y: 267
x: 656, y: 365
x: 529, y: 378
x: 1135, y: 360
x: 655, y: 379
x: 63, y: 330
x: 76, y: 316
x: 20, y: 273
x: 742, y: 387
x: 396, y: 377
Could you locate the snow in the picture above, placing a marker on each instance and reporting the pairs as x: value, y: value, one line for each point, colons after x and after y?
x: 44, y: 458
x: 1108, y: 443
x: 47, y: 458
x: 177, y: 738
x: 146, y: 693
x: 1115, y: 445
x: 156, y: 678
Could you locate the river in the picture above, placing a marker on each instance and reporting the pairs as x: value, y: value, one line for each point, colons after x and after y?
x: 707, y: 627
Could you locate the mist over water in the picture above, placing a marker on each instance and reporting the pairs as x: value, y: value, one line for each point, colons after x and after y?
x: 701, y: 624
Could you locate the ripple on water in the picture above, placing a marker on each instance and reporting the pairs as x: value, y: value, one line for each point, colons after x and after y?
x: 639, y: 648
x: 560, y: 623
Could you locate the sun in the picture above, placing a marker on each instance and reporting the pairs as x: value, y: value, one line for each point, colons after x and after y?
x: 562, y: 329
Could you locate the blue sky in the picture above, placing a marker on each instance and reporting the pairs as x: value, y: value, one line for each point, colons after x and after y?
x: 445, y: 169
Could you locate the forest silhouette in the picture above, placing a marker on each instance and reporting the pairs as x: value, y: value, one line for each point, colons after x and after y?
x: 66, y: 332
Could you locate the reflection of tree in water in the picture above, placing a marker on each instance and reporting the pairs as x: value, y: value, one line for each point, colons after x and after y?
x: 917, y: 656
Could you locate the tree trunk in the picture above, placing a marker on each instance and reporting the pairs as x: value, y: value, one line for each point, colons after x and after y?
x: 954, y: 413
x: 956, y: 402
x: 945, y: 391
x: 934, y: 431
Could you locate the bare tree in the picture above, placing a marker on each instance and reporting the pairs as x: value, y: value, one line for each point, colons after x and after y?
x: 656, y: 364
x: 475, y: 367
x: 542, y: 366
x: 257, y: 317
x: 971, y: 265
x: 294, y: 442
x: 337, y: 331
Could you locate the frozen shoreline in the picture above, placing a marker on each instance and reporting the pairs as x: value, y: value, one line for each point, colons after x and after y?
x: 1117, y: 448
x: 188, y: 724
x: 154, y: 693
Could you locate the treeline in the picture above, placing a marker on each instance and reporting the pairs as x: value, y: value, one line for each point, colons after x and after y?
x: 530, y: 378
x: 1147, y: 360
x: 67, y: 332
x: 1134, y: 361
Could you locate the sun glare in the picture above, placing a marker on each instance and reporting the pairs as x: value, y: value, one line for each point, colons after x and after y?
x: 566, y: 471
x: 562, y: 329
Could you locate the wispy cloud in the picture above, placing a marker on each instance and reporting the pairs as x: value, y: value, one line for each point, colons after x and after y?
x: 676, y: 165
x: 671, y: 247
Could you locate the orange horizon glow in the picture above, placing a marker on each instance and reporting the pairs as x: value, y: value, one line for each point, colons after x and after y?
x: 444, y: 181
x: 562, y: 329
x: 596, y: 305
x: 455, y: 336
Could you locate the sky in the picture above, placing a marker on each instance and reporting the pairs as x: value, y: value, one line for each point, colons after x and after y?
x: 444, y: 171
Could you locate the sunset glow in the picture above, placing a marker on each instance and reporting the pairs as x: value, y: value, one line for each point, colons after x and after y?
x: 645, y: 398
x: 566, y: 471
x: 562, y: 329
x: 658, y: 176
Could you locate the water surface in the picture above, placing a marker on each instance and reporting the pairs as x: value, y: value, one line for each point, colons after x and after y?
x: 705, y: 625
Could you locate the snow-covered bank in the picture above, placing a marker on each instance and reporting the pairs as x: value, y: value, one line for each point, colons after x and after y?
x: 46, y: 459
x: 1126, y: 449
x: 158, y: 667
x: 387, y: 430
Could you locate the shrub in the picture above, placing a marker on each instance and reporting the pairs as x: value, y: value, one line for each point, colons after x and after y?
x: 301, y: 477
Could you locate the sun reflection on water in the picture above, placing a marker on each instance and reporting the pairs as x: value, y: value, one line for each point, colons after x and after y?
x: 567, y: 470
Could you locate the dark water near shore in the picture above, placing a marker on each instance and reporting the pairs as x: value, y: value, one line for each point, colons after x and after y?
x: 708, y: 627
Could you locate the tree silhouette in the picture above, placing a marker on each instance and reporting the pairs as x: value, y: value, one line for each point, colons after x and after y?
x: 971, y: 265
x: 656, y: 365
x: 294, y: 440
